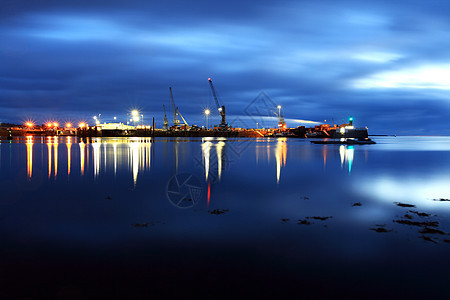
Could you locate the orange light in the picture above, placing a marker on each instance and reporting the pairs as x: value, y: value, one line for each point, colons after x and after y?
x: 29, y: 124
x: 49, y: 124
x: 68, y: 125
x: 81, y: 125
x: 55, y: 124
x: 209, y: 79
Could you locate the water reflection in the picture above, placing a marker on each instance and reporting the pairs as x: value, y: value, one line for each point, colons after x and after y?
x: 29, y: 157
x: 280, y: 156
x: 55, y: 148
x: 69, y: 157
x: 82, y: 155
x: 346, y: 155
x: 206, y: 147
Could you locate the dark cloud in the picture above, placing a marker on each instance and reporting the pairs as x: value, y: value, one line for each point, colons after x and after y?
x: 319, y: 60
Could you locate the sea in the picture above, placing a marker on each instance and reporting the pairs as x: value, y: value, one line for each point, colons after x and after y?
x: 145, y: 218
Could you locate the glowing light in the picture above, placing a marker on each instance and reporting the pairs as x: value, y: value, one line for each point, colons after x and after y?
x: 81, y: 125
x: 55, y: 124
x: 68, y: 125
x: 136, y: 118
x: 49, y: 124
x: 209, y: 79
x: 279, y: 106
x: 134, y: 112
x: 29, y: 124
x: 207, y: 111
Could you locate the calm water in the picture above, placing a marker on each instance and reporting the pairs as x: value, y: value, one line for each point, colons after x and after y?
x: 216, y: 216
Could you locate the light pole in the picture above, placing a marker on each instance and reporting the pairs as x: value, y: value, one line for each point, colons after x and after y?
x: 207, y: 112
x: 279, y: 111
x: 142, y: 119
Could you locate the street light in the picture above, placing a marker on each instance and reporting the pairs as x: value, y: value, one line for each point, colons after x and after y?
x: 207, y: 112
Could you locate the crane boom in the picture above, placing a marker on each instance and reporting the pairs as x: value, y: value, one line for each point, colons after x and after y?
x: 221, y: 109
x: 176, y: 122
x: 185, y: 123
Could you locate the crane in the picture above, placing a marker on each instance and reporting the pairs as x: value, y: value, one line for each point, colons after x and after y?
x: 221, y: 109
x: 184, y: 121
x: 176, y: 122
x: 165, y: 121
x: 281, y: 121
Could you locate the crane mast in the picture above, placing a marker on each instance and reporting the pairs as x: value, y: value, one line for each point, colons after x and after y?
x: 221, y: 109
x: 176, y: 122
x: 165, y: 121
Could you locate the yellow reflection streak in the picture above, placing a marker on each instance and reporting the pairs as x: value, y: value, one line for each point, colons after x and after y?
x: 29, y: 157
x: 55, y: 148
x: 206, y: 147
x: 82, y: 153
x: 134, y: 146
x: 96, y: 157
x: 219, y: 148
x: 49, y: 147
x: 280, y: 156
x: 115, y: 157
x: 342, y: 154
x: 69, y: 157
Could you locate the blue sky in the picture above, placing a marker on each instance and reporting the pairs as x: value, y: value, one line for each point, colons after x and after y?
x: 385, y: 63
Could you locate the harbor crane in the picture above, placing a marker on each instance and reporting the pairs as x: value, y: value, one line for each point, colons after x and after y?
x: 281, y: 121
x: 176, y: 122
x: 223, y: 124
x: 165, y: 121
x: 184, y: 121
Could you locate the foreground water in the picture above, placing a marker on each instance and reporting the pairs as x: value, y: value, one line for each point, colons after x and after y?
x: 132, y: 217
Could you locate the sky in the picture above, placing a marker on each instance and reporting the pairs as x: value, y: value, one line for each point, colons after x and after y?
x: 385, y: 63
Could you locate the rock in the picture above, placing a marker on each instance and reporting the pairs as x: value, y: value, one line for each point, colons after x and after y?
x: 415, y: 223
x: 427, y: 238
x: 217, y: 211
x: 321, y: 218
x: 404, y: 204
x: 303, y: 222
x: 427, y: 230
x: 419, y: 213
x: 380, y: 229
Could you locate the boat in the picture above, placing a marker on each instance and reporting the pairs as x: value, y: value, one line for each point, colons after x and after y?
x: 362, y: 141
